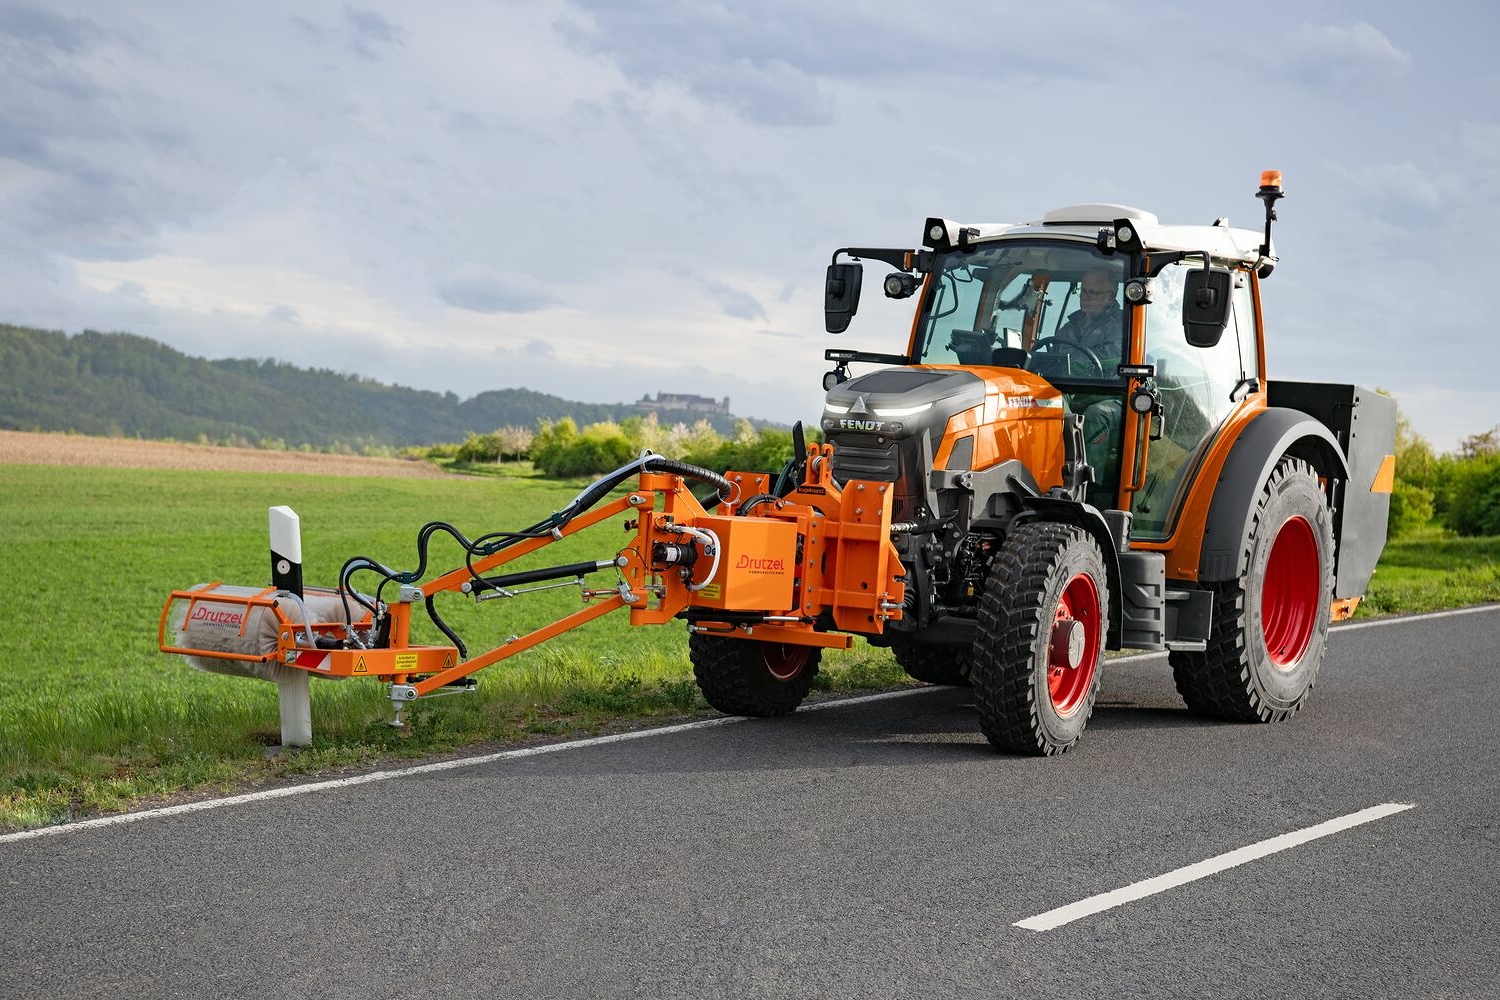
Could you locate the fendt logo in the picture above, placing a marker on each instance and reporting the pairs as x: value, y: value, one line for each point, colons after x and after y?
x: 861, y: 425
x: 761, y: 565
x: 204, y: 615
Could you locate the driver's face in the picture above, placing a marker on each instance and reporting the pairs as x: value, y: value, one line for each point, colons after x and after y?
x: 1098, y: 291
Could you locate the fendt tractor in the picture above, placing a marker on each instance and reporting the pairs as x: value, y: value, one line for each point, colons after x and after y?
x: 1080, y: 450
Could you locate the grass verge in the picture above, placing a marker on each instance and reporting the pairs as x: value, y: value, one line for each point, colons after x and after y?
x: 93, y: 718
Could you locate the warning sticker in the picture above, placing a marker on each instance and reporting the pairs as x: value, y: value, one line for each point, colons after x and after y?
x: 448, y: 661
x: 406, y: 661
x: 359, y: 666
x: 712, y: 592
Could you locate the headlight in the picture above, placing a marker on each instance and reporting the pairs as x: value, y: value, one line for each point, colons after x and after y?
x: 902, y: 411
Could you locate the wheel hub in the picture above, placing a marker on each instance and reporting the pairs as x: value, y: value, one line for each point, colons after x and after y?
x: 1069, y: 638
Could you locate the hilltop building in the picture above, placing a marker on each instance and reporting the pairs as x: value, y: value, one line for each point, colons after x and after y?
x: 684, y: 401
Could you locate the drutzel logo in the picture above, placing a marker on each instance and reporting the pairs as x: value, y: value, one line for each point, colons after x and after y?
x: 755, y: 565
x: 204, y: 615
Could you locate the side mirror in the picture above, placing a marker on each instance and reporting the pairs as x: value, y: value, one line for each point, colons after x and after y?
x: 841, y: 295
x: 1205, y: 305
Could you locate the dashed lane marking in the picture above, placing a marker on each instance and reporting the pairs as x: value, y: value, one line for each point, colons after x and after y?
x: 1053, y: 919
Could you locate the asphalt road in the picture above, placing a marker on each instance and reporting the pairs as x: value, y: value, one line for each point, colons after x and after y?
x: 869, y: 850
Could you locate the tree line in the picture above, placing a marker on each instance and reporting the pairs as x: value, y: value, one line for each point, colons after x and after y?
x: 1460, y: 490
x: 123, y: 385
x: 560, y: 449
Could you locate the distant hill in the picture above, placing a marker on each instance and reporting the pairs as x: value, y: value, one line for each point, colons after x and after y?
x: 122, y: 384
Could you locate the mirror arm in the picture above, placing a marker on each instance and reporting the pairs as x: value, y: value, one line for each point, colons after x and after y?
x: 906, y: 260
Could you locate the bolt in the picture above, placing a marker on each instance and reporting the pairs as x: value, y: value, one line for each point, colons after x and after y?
x: 860, y: 488
x: 636, y: 500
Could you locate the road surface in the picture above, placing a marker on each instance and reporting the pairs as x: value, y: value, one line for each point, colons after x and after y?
x: 870, y: 849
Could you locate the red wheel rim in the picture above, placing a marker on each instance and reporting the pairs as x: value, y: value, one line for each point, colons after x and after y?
x: 1069, y: 686
x: 783, y: 662
x: 1289, y: 594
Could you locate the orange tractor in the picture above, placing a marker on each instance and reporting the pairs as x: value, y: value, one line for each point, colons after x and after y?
x: 1079, y: 450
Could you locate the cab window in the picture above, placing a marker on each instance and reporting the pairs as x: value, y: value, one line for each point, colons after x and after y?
x: 1198, y: 387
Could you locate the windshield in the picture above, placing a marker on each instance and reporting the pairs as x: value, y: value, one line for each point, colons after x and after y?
x: 1048, y: 306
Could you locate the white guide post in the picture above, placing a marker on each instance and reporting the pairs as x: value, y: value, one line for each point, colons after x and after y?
x: 286, y: 574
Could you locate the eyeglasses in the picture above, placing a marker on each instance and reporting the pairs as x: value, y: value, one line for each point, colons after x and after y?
x: 1095, y: 293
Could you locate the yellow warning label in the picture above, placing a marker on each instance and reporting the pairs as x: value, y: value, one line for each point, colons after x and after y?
x: 359, y: 666
x: 448, y: 661
x: 712, y: 592
x: 406, y: 661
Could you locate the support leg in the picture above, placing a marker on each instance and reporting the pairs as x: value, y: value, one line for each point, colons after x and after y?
x: 296, y: 711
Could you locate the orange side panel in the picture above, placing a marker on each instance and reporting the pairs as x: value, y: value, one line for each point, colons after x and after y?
x: 756, y: 567
x: 1185, y: 545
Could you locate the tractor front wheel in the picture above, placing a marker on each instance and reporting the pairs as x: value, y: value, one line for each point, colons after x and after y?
x: 1042, y: 627
x: 1269, y: 627
x: 750, y: 677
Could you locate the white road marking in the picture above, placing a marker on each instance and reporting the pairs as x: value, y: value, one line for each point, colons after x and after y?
x: 1202, y: 869
x: 442, y: 765
x: 1372, y: 622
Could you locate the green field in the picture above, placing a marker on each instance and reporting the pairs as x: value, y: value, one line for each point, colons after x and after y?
x: 93, y: 718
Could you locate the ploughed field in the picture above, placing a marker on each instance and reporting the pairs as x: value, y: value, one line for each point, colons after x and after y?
x: 26, y: 448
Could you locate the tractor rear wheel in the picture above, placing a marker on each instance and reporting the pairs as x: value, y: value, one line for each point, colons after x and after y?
x: 1042, y: 627
x: 934, y: 664
x: 750, y: 677
x: 1269, y: 627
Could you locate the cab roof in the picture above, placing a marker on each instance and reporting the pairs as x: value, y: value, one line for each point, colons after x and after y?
x: 1084, y: 222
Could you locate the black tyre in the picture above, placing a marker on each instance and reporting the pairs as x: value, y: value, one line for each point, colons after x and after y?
x: 1270, y: 627
x: 934, y: 664
x: 1042, y: 627
x: 749, y: 677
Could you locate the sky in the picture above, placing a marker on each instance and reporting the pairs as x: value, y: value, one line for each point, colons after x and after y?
x: 602, y: 200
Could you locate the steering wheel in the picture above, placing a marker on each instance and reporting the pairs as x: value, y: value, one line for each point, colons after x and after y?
x: 1046, y: 345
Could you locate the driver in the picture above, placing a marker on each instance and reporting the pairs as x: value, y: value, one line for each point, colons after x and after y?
x: 1098, y: 323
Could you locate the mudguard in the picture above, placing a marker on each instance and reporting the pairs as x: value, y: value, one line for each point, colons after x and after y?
x: 1041, y: 507
x: 1273, y: 434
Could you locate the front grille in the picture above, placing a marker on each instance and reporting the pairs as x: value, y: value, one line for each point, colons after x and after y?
x: 878, y: 463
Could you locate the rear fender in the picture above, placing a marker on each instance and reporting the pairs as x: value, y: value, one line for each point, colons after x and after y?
x: 1275, y: 433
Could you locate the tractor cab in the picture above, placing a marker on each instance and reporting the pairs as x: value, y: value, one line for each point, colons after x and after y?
x: 1092, y: 313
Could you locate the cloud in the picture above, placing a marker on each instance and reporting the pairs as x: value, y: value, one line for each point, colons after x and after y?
x: 369, y: 32
x: 736, y: 303
x: 37, y: 26
x: 283, y: 314
x: 494, y: 294
x: 1344, y: 54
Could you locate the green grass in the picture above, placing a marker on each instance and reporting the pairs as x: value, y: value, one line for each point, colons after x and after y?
x: 93, y: 718
x: 1433, y: 569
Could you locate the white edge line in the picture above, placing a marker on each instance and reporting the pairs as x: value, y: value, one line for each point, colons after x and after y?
x: 1161, y: 883
x: 419, y: 769
x: 1397, y: 619
x: 363, y: 779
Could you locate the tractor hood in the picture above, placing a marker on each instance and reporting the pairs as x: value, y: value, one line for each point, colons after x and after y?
x: 901, y: 402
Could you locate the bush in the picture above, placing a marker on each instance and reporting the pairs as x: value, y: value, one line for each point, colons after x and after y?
x: 1411, y: 509
x: 479, y: 448
x: 559, y: 449
x: 1469, y: 496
